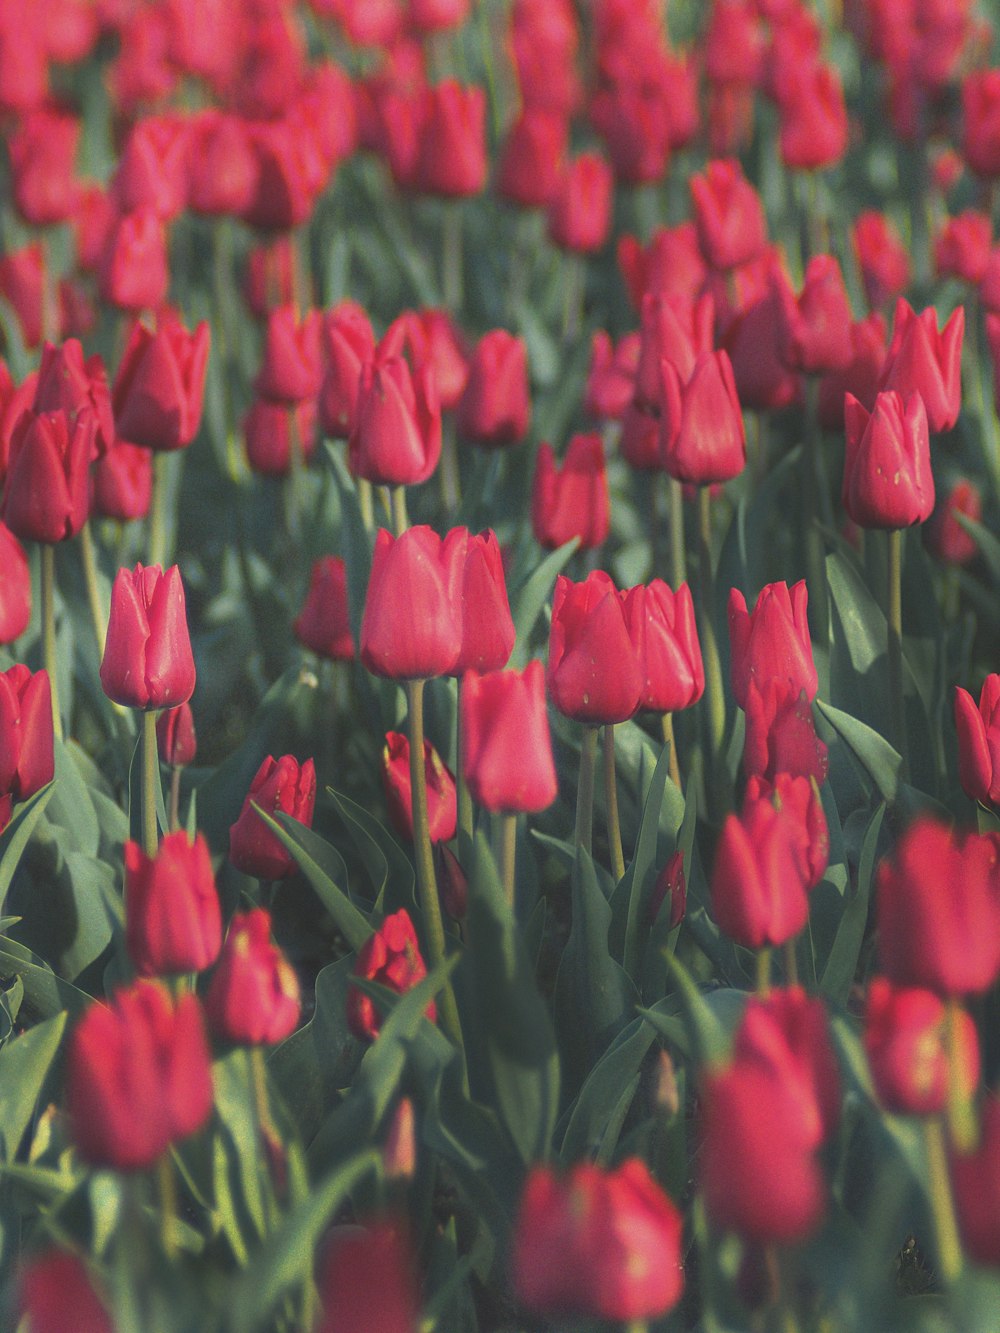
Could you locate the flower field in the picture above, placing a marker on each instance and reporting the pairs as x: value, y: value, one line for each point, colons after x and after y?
x: 499, y: 666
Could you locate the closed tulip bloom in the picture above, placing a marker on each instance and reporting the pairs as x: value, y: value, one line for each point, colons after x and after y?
x: 701, y: 428
x: 531, y: 158
x: 323, y: 625
x: 67, y: 383
x: 671, y: 264
x: 672, y: 329
x: 975, y: 1180
x: 816, y: 329
x: 269, y: 275
x: 758, y: 889
x: 147, y: 655
x: 938, y: 900
x: 798, y: 797
x: 962, y: 247
x: 728, y: 215
x: 396, y: 439
x: 593, y: 673
x: 15, y: 587
x: 906, y: 1044
x: 172, y: 919
x: 412, y: 623
x: 291, y: 174
x: 443, y: 346
x: 176, y: 742
x: 753, y: 341
x: 888, y: 481
x: 349, y: 343
x: 978, y: 731
x: 27, y: 760
x: 138, y: 1077
x: 368, y: 1281
x: 882, y: 257
x: 55, y: 1292
x: 664, y: 633
x: 571, y: 499
x: 495, y: 408
x: 981, y: 117
x: 451, y: 159
x: 488, y: 633
x: 47, y: 492
x: 669, y: 893
x: 780, y: 733
x: 639, y: 442
x: 580, y: 209
x: 506, y: 744
x: 222, y: 166
x: 42, y: 152
x: 442, y: 801
x: 290, y: 366
x: 597, y: 1243
x: 813, y: 118
x: 923, y: 361
x: 253, y: 998
x: 611, y: 376
x: 859, y: 377
x: 944, y: 534
x: 272, y: 431
x: 771, y: 641
x: 160, y: 386
x: 152, y: 170
x: 134, y: 272
x: 280, y: 786
x: 122, y: 482
x: 22, y: 278
x: 392, y: 957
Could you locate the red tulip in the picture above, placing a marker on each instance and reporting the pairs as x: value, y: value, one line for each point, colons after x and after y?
x: 571, y: 500
x: 531, y: 158
x: 160, y: 385
x: 323, y: 625
x: 442, y: 808
x: 981, y: 114
x: 670, y: 888
x: 813, y: 130
x: 46, y: 494
x: 664, y: 633
x: 728, y: 215
x: 147, y: 655
x: 887, y: 465
x: 780, y: 733
x: 15, y: 587
x: 816, y: 330
x: 253, y: 998
x: 139, y: 1076
x: 670, y: 265
x: 42, y: 152
x: 392, y: 958
x: 597, y: 1243
x: 487, y: 627
x: 56, y: 1293
x: 923, y: 361
x: 506, y: 745
x: 291, y: 174
x: 882, y: 258
x: 368, y: 1281
x: 272, y: 431
x: 962, y: 247
x: 152, y: 171
x: 290, y: 366
x: 580, y: 208
x: 753, y: 339
x: 860, y: 376
x: 788, y: 1032
x: 349, y: 343
x: 122, y: 482
x: 412, y: 623
x: 944, y: 535
x: 907, y: 1048
x: 611, y: 376
x: 133, y: 273
x: 495, y: 408
x: 27, y: 760
x: 593, y: 673
x: 175, y: 736
x: 701, y: 427
x: 975, y: 1178
x: 396, y: 435
x: 451, y: 158
x: 221, y: 165
x: 280, y: 786
x: 173, y: 923
x: 67, y: 383
x: 978, y: 731
x: 771, y: 642
x: 672, y: 329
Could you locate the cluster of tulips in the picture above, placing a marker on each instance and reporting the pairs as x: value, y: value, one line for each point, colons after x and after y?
x: 670, y: 999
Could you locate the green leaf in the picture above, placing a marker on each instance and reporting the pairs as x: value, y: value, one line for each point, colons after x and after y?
x: 24, y: 1066
x: 599, y: 1096
x: 842, y: 963
x: 71, y: 807
x: 872, y: 751
x: 707, y: 1017
x: 530, y: 598
x: 288, y: 1258
x: 44, y: 993
x: 643, y: 868
x: 388, y: 866
x: 514, y: 1022
x: 320, y: 862
x: 17, y: 833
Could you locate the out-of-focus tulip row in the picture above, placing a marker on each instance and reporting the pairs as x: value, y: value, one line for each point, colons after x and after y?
x: 497, y: 552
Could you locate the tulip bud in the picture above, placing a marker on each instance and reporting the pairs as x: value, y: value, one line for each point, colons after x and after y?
x: 369, y: 1281
x: 396, y: 438
x: 945, y: 536
x: 701, y: 429
x: 391, y: 956
x: 453, y: 885
x: 175, y: 736
x: 772, y: 641
x: 451, y: 158
x: 975, y: 1179
x: 280, y: 786
x: 907, y: 1049
x: 580, y: 210
x: 122, y: 482
x: 487, y: 627
x: 978, y: 731
x: 670, y: 887
x: 887, y: 465
x: 593, y: 673
x: 27, y: 761
x: 670, y: 265
x: 67, y: 383
x: 758, y: 889
x: 138, y: 1077
x: 572, y: 500
x: 172, y: 919
x: 816, y: 329
x: 506, y: 746
x: 290, y: 366
x: 323, y: 625
x: 55, y: 1292
x: 531, y: 158
x: 442, y: 810
x: 923, y: 361
x: 611, y: 376
x: 46, y: 494
x: 350, y: 343
x: 147, y: 659
x: 495, y: 408
x: 813, y: 117
x: 780, y: 733
x: 253, y: 998
x: 882, y: 258
x: 15, y: 587
x: 962, y: 247
x: 728, y: 215
x: 412, y: 624
x: 662, y: 626
x: 160, y: 385
x: 133, y: 272
x: 272, y: 431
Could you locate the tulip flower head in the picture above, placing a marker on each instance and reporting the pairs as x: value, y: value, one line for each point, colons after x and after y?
x: 147, y: 660
x: 253, y: 998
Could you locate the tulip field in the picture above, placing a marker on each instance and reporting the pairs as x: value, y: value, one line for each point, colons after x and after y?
x: 499, y: 666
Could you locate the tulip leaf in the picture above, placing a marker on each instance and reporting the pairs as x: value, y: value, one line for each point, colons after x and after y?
x: 24, y: 1067
x: 842, y: 962
x: 597, y: 1099
x: 45, y: 994
x: 290, y: 1253
x: 707, y: 1018
x: 531, y: 597
x: 642, y: 870
x: 388, y: 866
x: 357, y: 542
x: 988, y: 542
x: 872, y: 751
x: 322, y: 866
x: 513, y: 1018
x: 594, y: 997
x: 16, y: 835
x: 232, y: 1082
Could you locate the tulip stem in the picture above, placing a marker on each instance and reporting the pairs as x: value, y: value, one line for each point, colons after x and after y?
x: 158, y: 510
x: 451, y: 487
x: 49, y: 631
x: 508, y: 855
x: 366, y: 504
x: 667, y: 722
x: 175, y: 798
x: 710, y: 651
x: 98, y: 614
x: 400, y: 519
x: 464, y: 796
x: 150, y: 761
x: 167, y: 1188
x: 611, y: 801
x: 585, y: 789
x: 678, y: 560
x: 942, y: 1201
x: 574, y: 283
x: 810, y: 471
x: 424, y: 855
x: 895, y: 645
x: 961, y: 1114
x: 791, y: 964
x: 764, y: 970
x: 451, y: 256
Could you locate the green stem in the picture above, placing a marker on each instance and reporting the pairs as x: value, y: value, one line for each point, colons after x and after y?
x: 451, y: 486
x: 715, y: 696
x: 508, y: 855
x: 49, y: 631
x: 585, y: 789
x: 452, y: 282
x: 678, y: 558
x: 150, y: 763
x: 667, y: 723
x: 815, y: 570
x: 942, y: 1201
x: 167, y: 1189
x: 98, y: 614
x: 895, y: 644
x: 424, y: 854
x: 574, y: 282
x: 764, y: 970
x: 400, y: 519
x: 961, y: 1112
x: 791, y: 964
x: 366, y: 504
x: 465, y: 814
x: 611, y: 801
x: 158, y: 510
x: 175, y: 798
